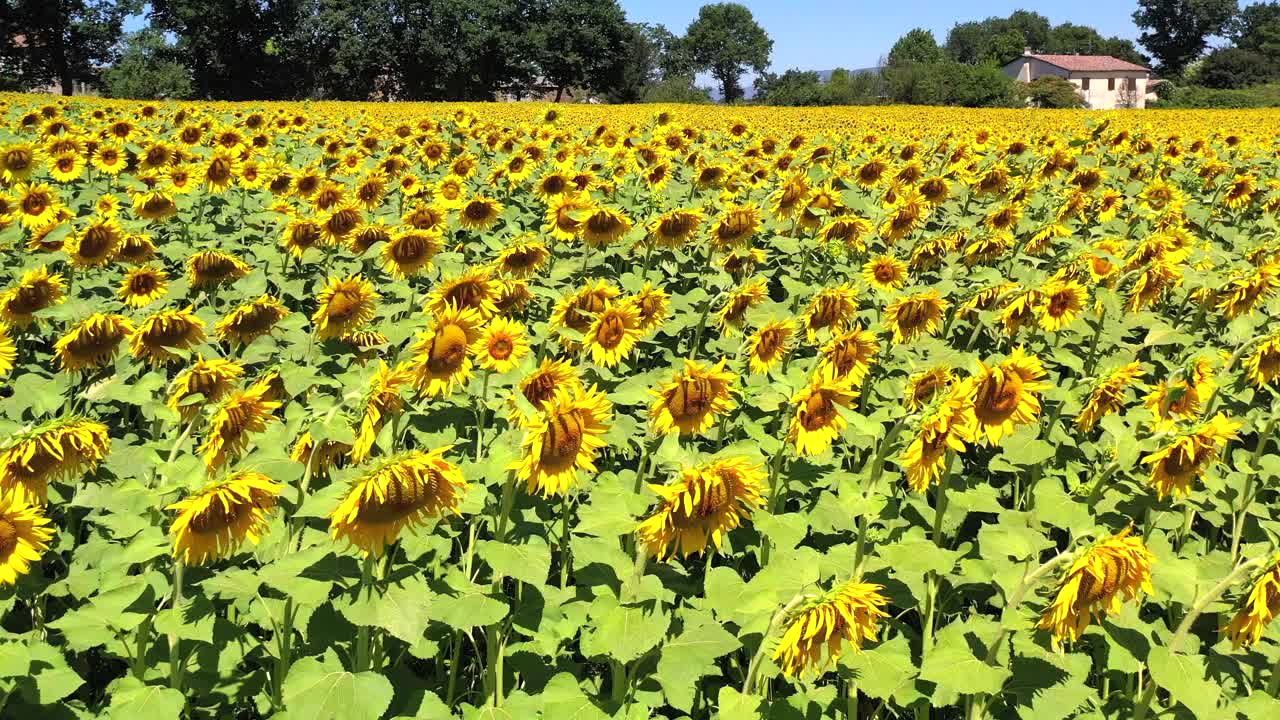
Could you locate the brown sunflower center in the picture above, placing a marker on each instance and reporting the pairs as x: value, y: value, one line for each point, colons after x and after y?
x: 218, y: 516
x: 715, y: 497
x: 1059, y: 304
x: 998, y: 396
x: 35, y: 203
x: 97, y: 242
x: 884, y: 273
x: 344, y: 305
x: 467, y: 294
x: 448, y: 349
x: 818, y: 412
x: 692, y: 398
x: 401, y: 497
x: 31, y: 298
x: 563, y: 439
x: 477, y: 211
x: 612, y: 331
x: 143, y: 284
x: 343, y: 222
x: 8, y: 537
x: 540, y: 388
x: 500, y: 348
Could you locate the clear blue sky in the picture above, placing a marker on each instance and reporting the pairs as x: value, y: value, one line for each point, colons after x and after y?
x: 825, y: 34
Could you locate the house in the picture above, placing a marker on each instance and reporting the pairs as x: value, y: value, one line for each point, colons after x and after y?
x: 1103, y: 81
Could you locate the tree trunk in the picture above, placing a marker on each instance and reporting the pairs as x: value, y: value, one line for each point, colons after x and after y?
x: 559, y: 93
x: 68, y: 84
x: 726, y: 90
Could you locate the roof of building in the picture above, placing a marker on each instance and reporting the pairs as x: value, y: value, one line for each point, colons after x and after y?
x: 1089, y: 63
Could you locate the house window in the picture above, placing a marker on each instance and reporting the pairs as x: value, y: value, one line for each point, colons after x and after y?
x: 1084, y: 84
x: 1111, y: 83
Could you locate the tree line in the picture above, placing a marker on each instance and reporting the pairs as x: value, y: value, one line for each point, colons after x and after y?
x: 374, y: 49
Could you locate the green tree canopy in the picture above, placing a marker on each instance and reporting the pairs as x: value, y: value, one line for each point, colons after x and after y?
x: 1177, y: 31
x: 726, y: 40
x: 581, y: 43
x: 1051, y: 91
x: 60, y: 41
x: 917, y: 46
x: 1232, y: 68
x: 1257, y: 28
x: 146, y: 69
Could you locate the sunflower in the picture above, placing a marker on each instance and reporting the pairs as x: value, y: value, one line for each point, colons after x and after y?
x: 1262, y: 365
x: 401, y: 492
x: 523, y: 259
x: 243, y: 413
x: 61, y: 449
x: 915, y: 315
x: 204, y: 383
x: 735, y: 226
x: 213, y: 523
x: 93, y: 342
x: 602, y: 226
x: 209, y: 268
x: 441, y: 357
x: 652, y: 304
x: 17, y: 162
x: 831, y: 309
x: 707, y: 503
x: 251, y: 320
x: 613, y: 334
x: 905, y: 215
x: 1020, y: 310
x: 885, y: 273
x: 947, y: 424
x: 319, y: 460
x: 1257, y: 609
x: 848, y: 356
x: 382, y: 400
x: 110, y: 158
x: 38, y: 204
x: 1098, y: 582
x: 143, y: 286
x: 1240, y: 191
x: 562, y: 217
x: 1181, y: 395
x: 25, y: 534
x: 676, y: 227
x: 473, y: 290
x: 37, y: 290
x: 1108, y: 394
x: 429, y: 218
x: 562, y: 438
x: 136, y: 248
x: 769, y: 344
x: 849, y: 230
x: 66, y: 167
x: 1061, y: 304
x: 410, y: 252
x: 1006, y: 394
x: 479, y: 213
x: 790, y: 197
x: 97, y: 244
x: 344, y: 306
x: 502, y: 345
x: 924, y: 386
x: 154, y: 204
x: 165, y: 331
x: 694, y: 399
x: 574, y: 311
x: 733, y: 314
x: 817, y: 421
x: 817, y: 631
x: 1176, y: 465
x: 302, y: 235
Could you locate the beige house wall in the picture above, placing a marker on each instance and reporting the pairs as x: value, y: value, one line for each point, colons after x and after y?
x: 1104, y: 91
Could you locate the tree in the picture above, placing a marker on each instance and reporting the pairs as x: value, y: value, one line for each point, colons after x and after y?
x: 1072, y: 39
x: 1033, y: 26
x: 1177, y: 31
x: 338, y: 49
x: 644, y: 49
x: 233, y: 47
x: 726, y: 40
x: 145, y: 69
x: 581, y: 43
x: 676, y: 89
x: 793, y: 87
x: 60, y: 41
x: 1257, y: 28
x: 917, y: 46
x: 1230, y: 68
x: 1051, y: 91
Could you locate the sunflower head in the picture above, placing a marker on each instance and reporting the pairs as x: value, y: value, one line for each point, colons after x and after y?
x: 1062, y: 303
x: 702, y: 507
x: 885, y: 272
x: 441, y: 356
x: 1006, y: 394
x: 25, y: 534
x: 249, y: 321
x: 93, y: 343
x: 733, y: 315
x: 676, y: 227
x: 479, y: 213
x: 694, y: 399
x: 214, y: 522
x: 543, y: 384
x: 405, y: 491
x: 210, y: 268
x: 345, y: 305
x: 37, y: 290
x: 1257, y: 609
x: 523, y: 259
x: 237, y: 419
x: 143, y: 285
x: 206, y: 382
x: 817, y: 421
x: 1108, y: 395
x: 915, y: 315
x: 410, y: 252
x: 613, y: 334
x: 474, y: 290
x: 817, y: 632
x: 502, y: 345
x: 769, y: 344
x: 562, y: 438
x: 58, y: 450
x: 832, y: 309
x: 1179, y: 462
x: 1114, y: 570
x: 160, y: 334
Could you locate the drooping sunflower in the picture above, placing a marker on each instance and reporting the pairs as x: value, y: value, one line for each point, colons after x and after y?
x: 817, y: 632
x: 136, y: 248
x: 1186, y: 456
x: 769, y: 344
x: 252, y: 320
x: 735, y: 226
x: 947, y: 424
x: 61, y: 449
x: 301, y: 235
x: 1240, y: 191
x: 1262, y: 365
x: 410, y: 252
x: 474, y: 290
x: 676, y: 227
x: 25, y: 534
x: 1099, y: 581
x: 441, y: 356
x: 93, y: 342
x: 17, y: 162
x: 575, y: 311
x: 523, y: 259
x: 165, y: 331
x: 37, y: 290
x: 1061, y: 304
x: 214, y: 523
x: 345, y: 305
x: 209, y: 268
x: 562, y: 218
x: 1020, y: 310
x: 401, y: 492
x: 320, y: 458
x: 542, y: 385
x: 1107, y: 396
x: 1256, y: 609
x: 733, y: 314
x: 885, y: 272
x: 154, y: 204
x: 1006, y: 395
x: 8, y: 351
x: 562, y: 438
x: 694, y: 399
x: 924, y: 386
x: 502, y: 345
x: 204, y: 383
x: 832, y: 309
x: 613, y: 334
x: 817, y: 421
x: 143, y: 285
x: 241, y: 415
x: 382, y: 400
x: 479, y: 213
x: 603, y: 226
x: 97, y: 244
x: 915, y: 315
x: 702, y: 507
x: 1181, y: 396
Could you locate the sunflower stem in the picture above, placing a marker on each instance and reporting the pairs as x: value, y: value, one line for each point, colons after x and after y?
x: 454, y: 659
x: 873, y: 479
x: 1095, y: 494
x: 1273, y: 685
x: 564, y: 541
x: 363, y: 633
x: 1246, y: 498
x: 175, y: 643
x: 749, y: 686
x: 480, y: 414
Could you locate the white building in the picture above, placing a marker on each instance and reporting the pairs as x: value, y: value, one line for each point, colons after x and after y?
x: 1103, y: 81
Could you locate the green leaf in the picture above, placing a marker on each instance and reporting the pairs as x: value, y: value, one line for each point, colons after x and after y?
x: 1183, y: 677
x: 885, y: 671
x: 951, y: 665
x: 132, y: 700
x: 624, y: 632
x: 692, y: 655
x: 562, y: 699
x: 321, y: 689
x: 530, y: 562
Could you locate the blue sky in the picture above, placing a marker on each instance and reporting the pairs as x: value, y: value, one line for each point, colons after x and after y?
x: 825, y: 34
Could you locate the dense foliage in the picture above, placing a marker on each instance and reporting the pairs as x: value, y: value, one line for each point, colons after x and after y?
x: 352, y: 411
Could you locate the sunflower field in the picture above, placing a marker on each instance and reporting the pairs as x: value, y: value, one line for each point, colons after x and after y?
x: 345, y: 411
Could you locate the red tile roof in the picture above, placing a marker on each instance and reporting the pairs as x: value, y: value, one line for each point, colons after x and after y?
x: 1090, y: 63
